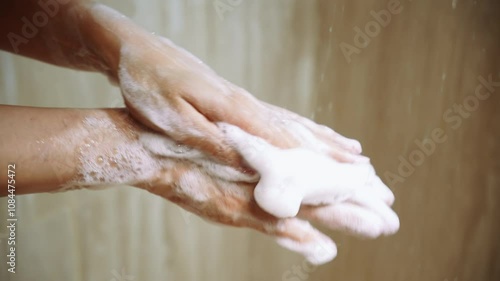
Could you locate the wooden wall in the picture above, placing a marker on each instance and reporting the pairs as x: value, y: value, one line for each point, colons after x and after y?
x: 412, y: 82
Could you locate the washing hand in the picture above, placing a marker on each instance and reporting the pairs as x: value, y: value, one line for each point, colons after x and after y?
x: 174, y: 93
x: 365, y: 213
x: 293, y: 182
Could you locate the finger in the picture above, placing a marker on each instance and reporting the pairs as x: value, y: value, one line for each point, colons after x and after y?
x: 323, y: 139
x: 222, y: 102
x: 237, y: 208
x: 163, y: 146
x: 329, y: 135
x: 254, y: 122
x: 322, y: 131
x: 233, y: 204
x: 299, y: 236
x: 345, y: 156
x: 319, y: 143
x: 349, y: 144
x: 377, y: 189
x: 388, y: 216
x: 346, y: 217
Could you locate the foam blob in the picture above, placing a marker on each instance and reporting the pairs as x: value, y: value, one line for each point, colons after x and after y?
x: 291, y: 177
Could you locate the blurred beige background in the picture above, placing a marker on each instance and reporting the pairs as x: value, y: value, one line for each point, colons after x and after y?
x: 395, y: 88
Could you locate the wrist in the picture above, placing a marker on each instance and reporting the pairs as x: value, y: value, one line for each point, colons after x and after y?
x: 104, y: 32
x: 110, y: 152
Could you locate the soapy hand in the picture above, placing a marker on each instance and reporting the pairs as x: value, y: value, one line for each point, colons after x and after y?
x: 172, y: 92
x: 366, y: 213
x: 306, y: 169
x: 341, y: 196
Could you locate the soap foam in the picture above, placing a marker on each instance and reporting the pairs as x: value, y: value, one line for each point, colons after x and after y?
x: 352, y: 197
x: 101, y: 164
x: 289, y: 178
x: 292, y: 177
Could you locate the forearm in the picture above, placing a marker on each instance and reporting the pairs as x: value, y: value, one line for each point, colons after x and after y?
x: 54, y: 148
x: 75, y: 33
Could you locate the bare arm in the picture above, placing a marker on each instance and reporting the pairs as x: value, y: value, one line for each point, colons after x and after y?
x: 64, y: 33
x: 165, y: 87
x: 52, y: 148
x: 51, y: 31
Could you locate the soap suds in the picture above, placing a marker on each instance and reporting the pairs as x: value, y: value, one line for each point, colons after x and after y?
x: 101, y: 165
x: 297, y: 176
x: 319, y: 249
x: 159, y: 145
x: 289, y: 179
x: 352, y: 196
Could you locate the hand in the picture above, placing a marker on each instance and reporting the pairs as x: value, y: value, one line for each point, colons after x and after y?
x: 193, y: 185
x: 172, y: 92
x: 231, y: 203
x: 166, y: 88
x: 116, y: 150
